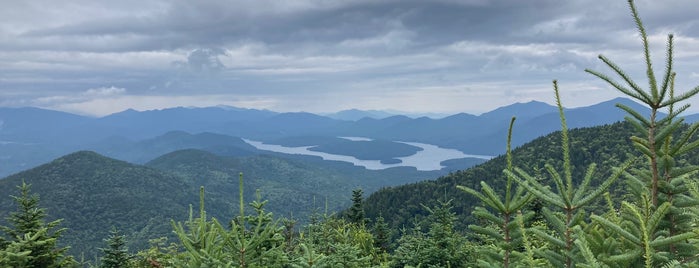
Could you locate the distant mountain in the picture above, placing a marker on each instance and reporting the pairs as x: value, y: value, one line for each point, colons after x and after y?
x: 289, y: 185
x: 146, y: 150
x: 30, y: 136
x: 522, y: 110
x: 355, y: 114
x: 34, y: 125
x: 151, y: 123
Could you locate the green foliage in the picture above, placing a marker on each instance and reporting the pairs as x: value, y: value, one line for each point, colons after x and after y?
x: 356, y: 211
x: 250, y: 241
x: 382, y: 235
x: 116, y: 254
x: 568, y: 199
x: 500, y: 227
x: 91, y: 193
x: 441, y: 246
x: 32, y: 241
x: 659, y: 223
x: 605, y: 146
x: 551, y: 215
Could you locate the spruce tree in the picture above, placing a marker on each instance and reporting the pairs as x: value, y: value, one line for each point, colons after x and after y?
x: 567, y: 199
x: 659, y: 223
x: 440, y: 246
x: 499, y: 217
x: 249, y: 241
x: 116, y: 254
x: 29, y: 233
x: 356, y: 212
x: 382, y: 234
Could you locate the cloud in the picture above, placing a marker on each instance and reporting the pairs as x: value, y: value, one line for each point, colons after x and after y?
x: 203, y: 60
x: 325, y: 54
x: 104, y: 91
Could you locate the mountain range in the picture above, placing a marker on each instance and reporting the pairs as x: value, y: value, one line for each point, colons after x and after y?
x: 32, y: 136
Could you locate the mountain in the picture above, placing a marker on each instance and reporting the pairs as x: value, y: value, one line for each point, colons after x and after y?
x: 355, y: 114
x: 522, y: 110
x: 289, y: 185
x: 92, y: 193
x: 29, y: 136
x: 146, y: 124
x: 148, y: 149
x: 21, y: 125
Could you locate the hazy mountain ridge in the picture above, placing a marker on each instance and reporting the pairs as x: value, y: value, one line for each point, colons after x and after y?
x: 31, y: 136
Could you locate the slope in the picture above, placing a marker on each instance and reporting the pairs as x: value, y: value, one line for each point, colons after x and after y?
x: 605, y: 145
x: 290, y: 186
x: 92, y: 193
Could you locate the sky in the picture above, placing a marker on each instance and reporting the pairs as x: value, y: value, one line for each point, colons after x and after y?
x: 418, y: 56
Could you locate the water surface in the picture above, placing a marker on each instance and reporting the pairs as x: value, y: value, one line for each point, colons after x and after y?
x: 427, y: 159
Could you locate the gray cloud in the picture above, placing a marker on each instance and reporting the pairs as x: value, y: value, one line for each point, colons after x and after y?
x: 321, y: 55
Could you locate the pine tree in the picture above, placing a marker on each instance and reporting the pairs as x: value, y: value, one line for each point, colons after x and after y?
x: 116, y: 255
x: 28, y: 232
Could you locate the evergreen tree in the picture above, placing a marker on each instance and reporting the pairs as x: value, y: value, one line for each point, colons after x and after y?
x: 441, y: 246
x: 660, y: 222
x: 382, y: 234
x: 29, y: 233
x: 356, y: 211
x: 500, y: 227
x: 568, y: 199
x: 250, y: 241
x: 116, y: 255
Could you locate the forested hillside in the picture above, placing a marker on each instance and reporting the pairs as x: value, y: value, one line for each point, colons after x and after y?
x: 607, y: 146
x: 93, y: 193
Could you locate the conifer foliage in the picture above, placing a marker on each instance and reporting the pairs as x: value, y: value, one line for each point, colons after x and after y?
x: 500, y: 226
x: 356, y: 212
x: 659, y: 225
x: 568, y: 200
x: 30, y: 241
x: 116, y: 254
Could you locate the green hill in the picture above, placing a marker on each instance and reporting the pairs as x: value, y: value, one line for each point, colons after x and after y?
x: 290, y: 186
x: 92, y: 193
x: 606, y: 145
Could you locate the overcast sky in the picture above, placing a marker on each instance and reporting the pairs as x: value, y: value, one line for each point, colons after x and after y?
x: 444, y: 56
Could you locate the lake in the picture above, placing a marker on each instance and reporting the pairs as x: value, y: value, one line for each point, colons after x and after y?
x: 427, y: 159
